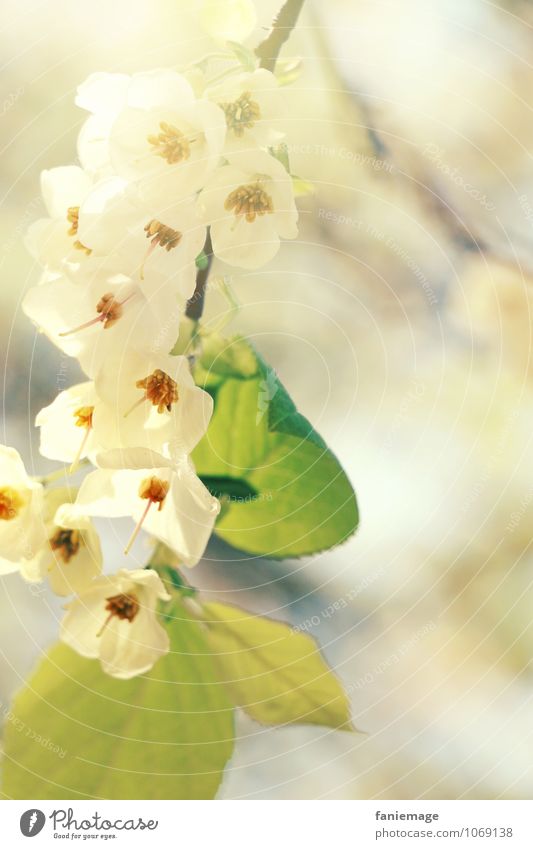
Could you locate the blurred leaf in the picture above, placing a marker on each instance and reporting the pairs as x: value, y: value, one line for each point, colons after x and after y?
x: 222, y: 357
x: 165, y: 735
x: 202, y: 261
x: 281, y: 153
x: 287, y: 71
x: 246, y: 57
x: 276, y: 675
x: 302, y: 187
x: 304, y: 502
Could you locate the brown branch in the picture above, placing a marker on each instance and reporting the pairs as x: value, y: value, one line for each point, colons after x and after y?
x: 268, y: 51
x: 195, y: 304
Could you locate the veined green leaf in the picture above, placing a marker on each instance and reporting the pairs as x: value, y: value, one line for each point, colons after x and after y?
x: 75, y: 733
x: 273, y: 673
x: 303, y: 501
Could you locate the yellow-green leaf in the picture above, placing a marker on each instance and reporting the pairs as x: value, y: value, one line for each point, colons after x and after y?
x: 76, y: 733
x: 272, y: 672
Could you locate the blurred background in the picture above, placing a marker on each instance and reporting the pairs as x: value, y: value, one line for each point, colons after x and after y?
x: 400, y: 321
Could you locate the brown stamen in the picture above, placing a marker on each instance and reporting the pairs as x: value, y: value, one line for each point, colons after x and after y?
x: 109, y: 311
x: 84, y: 417
x: 155, y: 491
x: 249, y: 201
x: 11, y: 503
x: 242, y: 114
x: 171, y: 144
x: 160, y: 389
x: 66, y: 542
x: 73, y: 215
x: 123, y: 606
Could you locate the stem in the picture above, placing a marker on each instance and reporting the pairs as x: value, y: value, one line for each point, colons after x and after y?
x: 268, y: 51
x: 195, y: 304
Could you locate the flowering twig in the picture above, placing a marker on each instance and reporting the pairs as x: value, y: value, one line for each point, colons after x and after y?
x: 284, y: 23
x: 267, y: 53
x: 195, y: 304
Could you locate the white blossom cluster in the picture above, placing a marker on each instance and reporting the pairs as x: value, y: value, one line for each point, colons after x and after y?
x: 163, y: 156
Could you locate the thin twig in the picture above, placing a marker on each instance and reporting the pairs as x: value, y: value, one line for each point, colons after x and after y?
x: 268, y: 51
x: 195, y: 304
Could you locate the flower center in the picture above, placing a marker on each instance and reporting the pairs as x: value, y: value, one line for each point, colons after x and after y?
x: 109, y: 311
x: 154, y: 490
x: 242, y: 114
x: 11, y: 503
x: 84, y: 417
x: 160, y: 389
x: 66, y: 542
x: 73, y: 215
x: 171, y: 144
x: 249, y: 201
x: 123, y: 606
x: 162, y: 235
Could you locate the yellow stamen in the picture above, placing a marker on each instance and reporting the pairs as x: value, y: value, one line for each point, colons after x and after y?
x: 171, y: 144
x: 242, y: 114
x: 11, y: 502
x: 249, y: 201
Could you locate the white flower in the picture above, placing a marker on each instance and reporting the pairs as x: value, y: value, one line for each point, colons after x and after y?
x: 150, y: 401
x: 165, y: 498
x: 54, y: 241
x: 67, y: 432
x: 115, y: 620
x: 103, y: 95
x: 252, y: 103
x: 105, y: 318
x: 22, y: 529
x: 161, y: 135
x: 250, y: 205
x: 228, y: 20
x: 124, y: 235
x: 70, y: 557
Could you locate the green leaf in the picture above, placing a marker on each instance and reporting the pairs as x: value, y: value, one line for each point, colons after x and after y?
x: 287, y: 71
x: 223, y: 357
x: 273, y: 673
x: 303, y: 501
x: 202, y: 261
x: 246, y: 57
x: 281, y: 153
x: 76, y: 733
x: 302, y: 187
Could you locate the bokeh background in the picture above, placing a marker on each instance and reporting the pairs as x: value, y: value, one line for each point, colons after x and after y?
x: 400, y: 321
